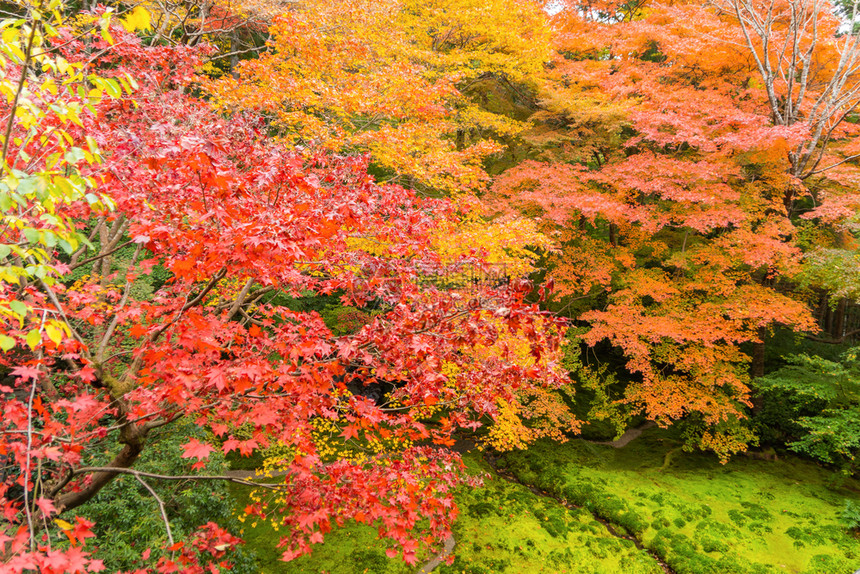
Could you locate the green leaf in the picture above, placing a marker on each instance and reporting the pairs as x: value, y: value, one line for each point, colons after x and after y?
x: 19, y: 308
x: 34, y: 339
x: 26, y: 186
x: 75, y: 155
x: 6, y: 342
x: 50, y: 238
x: 31, y: 234
x: 113, y: 88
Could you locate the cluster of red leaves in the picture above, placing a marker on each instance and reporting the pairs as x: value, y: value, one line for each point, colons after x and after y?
x: 203, y: 552
x: 23, y: 557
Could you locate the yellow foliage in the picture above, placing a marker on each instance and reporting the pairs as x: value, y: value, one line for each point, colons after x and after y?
x: 726, y: 442
x: 546, y: 412
x: 511, y: 243
x: 383, y: 76
x: 137, y: 19
x: 508, y: 431
x: 226, y: 291
x: 476, y: 37
x: 473, y: 117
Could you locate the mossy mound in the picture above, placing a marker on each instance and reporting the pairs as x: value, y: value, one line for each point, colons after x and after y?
x: 745, y: 517
x: 507, y: 528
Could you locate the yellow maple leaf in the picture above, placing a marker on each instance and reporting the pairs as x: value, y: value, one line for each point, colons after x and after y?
x: 137, y: 19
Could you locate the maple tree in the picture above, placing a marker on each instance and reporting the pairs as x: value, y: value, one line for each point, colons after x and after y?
x: 689, y: 181
x: 689, y: 154
x: 157, y: 288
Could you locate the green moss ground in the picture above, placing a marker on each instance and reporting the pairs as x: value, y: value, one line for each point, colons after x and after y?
x: 749, y: 516
x: 350, y: 550
x: 503, y: 527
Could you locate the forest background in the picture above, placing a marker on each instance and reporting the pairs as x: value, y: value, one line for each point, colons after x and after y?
x: 344, y: 236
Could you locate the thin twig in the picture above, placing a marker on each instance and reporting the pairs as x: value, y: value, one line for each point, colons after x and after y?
x: 116, y: 470
x: 29, y: 451
x: 101, y: 256
x: 160, y: 507
x: 26, y: 64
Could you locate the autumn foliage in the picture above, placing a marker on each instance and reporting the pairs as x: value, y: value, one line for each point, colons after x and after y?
x: 679, y: 170
x: 685, y: 174
x: 387, y: 78
x: 221, y: 227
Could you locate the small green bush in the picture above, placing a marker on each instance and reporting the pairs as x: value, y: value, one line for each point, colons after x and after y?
x: 737, y: 517
x: 756, y: 512
x: 850, y: 515
x: 556, y: 524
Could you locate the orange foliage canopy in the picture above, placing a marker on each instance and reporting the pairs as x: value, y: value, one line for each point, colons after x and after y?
x: 684, y: 167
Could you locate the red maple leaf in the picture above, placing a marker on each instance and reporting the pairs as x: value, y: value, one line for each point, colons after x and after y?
x: 196, y: 449
x: 25, y: 372
x: 349, y: 431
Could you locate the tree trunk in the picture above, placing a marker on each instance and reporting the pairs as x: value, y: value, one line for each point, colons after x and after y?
x: 757, y: 368
x: 234, y: 58
x: 837, y: 328
x: 821, y: 312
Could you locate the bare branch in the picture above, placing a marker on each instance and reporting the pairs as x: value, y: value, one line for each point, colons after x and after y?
x: 240, y: 298
x: 838, y: 341
x: 131, y: 471
x: 160, y: 506
x: 100, y: 256
x: 823, y: 169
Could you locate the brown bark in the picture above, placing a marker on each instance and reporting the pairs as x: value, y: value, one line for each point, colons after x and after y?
x: 757, y: 368
x: 837, y: 327
x: 125, y: 459
x: 821, y: 312
x: 131, y: 435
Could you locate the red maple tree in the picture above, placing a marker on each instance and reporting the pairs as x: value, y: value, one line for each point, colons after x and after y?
x: 184, y: 313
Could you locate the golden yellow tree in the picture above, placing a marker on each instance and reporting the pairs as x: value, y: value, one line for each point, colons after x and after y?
x: 388, y: 78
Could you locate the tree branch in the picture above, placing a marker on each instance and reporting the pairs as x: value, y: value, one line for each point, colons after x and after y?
x: 160, y: 507
x: 100, y: 256
x: 21, y: 81
x: 841, y: 339
x: 131, y: 471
